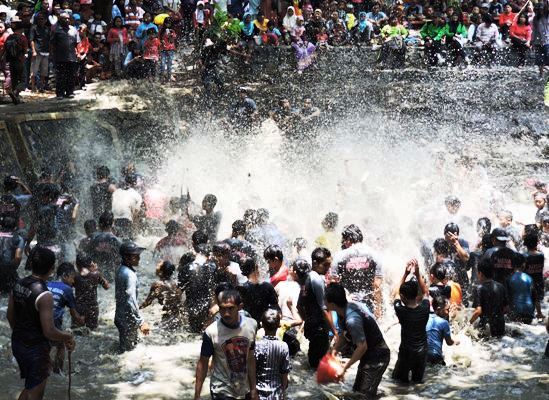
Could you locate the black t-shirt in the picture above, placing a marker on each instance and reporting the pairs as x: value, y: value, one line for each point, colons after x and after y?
x: 104, y: 250
x: 9, y: 243
x: 239, y: 249
x: 9, y: 207
x: 197, y: 280
x: 534, y: 266
x: 461, y: 267
x: 311, y: 304
x: 64, y: 42
x: 27, y: 328
x: 47, y: 229
x: 257, y: 298
x: 501, y: 259
x: 101, y: 198
x: 362, y: 326
x: 41, y: 38
x: 412, y: 326
x: 491, y: 296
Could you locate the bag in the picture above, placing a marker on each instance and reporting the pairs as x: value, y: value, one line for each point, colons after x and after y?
x: 13, y: 48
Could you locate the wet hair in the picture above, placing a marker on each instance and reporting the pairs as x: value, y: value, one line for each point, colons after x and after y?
x: 10, y: 183
x: 250, y: 216
x: 352, y: 233
x: 222, y: 287
x: 518, y: 261
x: 531, y: 229
x: 83, y: 261
x: 130, y: 179
x: 301, y: 268
x: 273, y: 252
x: 330, y: 220
x: 531, y: 241
x: 90, y: 226
x: 248, y: 266
x: 438, y: 270
x: 172, y: 227
x: 409, y: 290
x: 239, y: 227
x: 439, y: 302
x: 505, y: 214
x: 51, y: 191
x: 487, y: 19
x: 452, y: 200
x: 106, y: 220
x: 270, y: 320
x: 319, y: 255
x: 186, y: 259
x: 441, y: 247
x: 262, y: 216
x: 230, y: 294
x: 65, y: 269
x: 8, y: 224
x: 102, y: 172
x: 451, y: 228
x: 335, y: 293
x: 486, y: 242
x: 221, y: 248
x: 300, y: 243
x: 199, y: 238
x: 41, y: 260
x: 486, y: 268
x: 484, y: 225
x: 166, y: 270
x: 45, y: 172
x: 210, y: 199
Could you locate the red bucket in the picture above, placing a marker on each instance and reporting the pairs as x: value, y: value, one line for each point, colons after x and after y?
x: 328, y: 369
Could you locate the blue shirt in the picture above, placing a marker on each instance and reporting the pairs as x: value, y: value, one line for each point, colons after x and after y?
x: 520, y: 293
x: 437, y: 330
x: 63, y: 296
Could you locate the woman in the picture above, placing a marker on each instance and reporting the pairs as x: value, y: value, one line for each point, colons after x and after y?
x: 82, y: 50
x: 456, y: 36
x: 289, y: 23
x: 363, y: 30
x: 305, y: 54
x: 4, y: 66
x: 540, y: 35
x: 521, y: 35
x: 393, y: 35
x: 118, y: 39
x: 247, y: 32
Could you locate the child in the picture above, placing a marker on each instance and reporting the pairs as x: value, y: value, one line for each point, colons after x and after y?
x: 118, y: 39
x: 439, y: 281
x: 534, y: 261
x: 413, y: 315
x: 63, y: 296
x: 272, y: 35
x: 491, y: 301
x: 272, y: 359
x: 521, y: 292
x: 275, y: 260
x: 168, y: 39
x: 438, y: 329
x: 299, y: 29
x: 167, y: 293
x: 85, y: 285
x: 151, y: 52
x: 540, y: 202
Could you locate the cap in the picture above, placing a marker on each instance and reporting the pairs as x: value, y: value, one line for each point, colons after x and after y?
x: 129, y: 248
x: 500, y: 234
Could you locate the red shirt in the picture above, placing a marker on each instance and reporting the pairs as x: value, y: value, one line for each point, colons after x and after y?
x: 281, y: 275
x: 521, y: 31
x: 503, y: 18
x: 168, y: 40
x: 152, y: 49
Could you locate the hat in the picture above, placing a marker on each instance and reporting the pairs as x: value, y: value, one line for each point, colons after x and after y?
x: 500, y: 234
x: 130, y: 248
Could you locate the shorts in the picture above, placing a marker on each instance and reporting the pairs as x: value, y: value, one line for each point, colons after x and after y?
x: 539, y: 288
x: 34, y: 362
x: 369, y: 373
x: 40, y: 64
x: 542, y: 55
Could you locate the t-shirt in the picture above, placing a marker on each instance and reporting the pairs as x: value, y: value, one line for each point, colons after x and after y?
x: 101, y: 198
x: 492, y: 298
x: 311, y: 300
x: 125, y: 202
x: 151, y: 49
x: 501, y: 259
x: 63, y: 296
x: 257, y: 298
x: 413, y: 336
x: 229, y: 347
x: 272, y: 360
x: 362, y: 326
x: 209, y: 224
x: 27, y: 327
x: 64, y: 42
x: 41, y: 38
x: 534, y: 266
x: 437, y: 329
x: 461, y: 266
x: 9, y: 243
x: 85, y: 287
x: 47, y: 229
x: 286, y: 290
x: 104, y: 250
x: 196, y: 279
x: 520, y: 294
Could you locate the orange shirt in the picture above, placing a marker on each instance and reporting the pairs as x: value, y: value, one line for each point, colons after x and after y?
x: 504, y: 18
x: 521, y: 31
x: 455, y: 296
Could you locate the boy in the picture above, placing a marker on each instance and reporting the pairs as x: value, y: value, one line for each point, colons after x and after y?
x: 85, y: 285
x: 63, y: 296
x: 439, y: 281
x: 272, y: 359
x: 539, y: 202
x: 491, y: 301
x: 438, y: 329
x: 413, y: 315
x: 275, y: 260
x: 534, y: 261
x: 521, y: 293
x: 90, y: 227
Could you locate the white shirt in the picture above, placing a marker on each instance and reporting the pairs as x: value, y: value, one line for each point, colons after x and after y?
x: 287, y: 290
x: 125, y: 202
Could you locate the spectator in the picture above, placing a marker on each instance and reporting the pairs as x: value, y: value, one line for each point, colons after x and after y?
x: 289, y: 23
x: 362, y: 32
x: 118, y: 39
x: 520, y: 35
x: 97, y: 25
x: 142, y: 31
x: 540, y: 35
x: 40, y: 44
x: 455, y: 34
x: 15, y: 51
x: 377, y: 18
x: 430, y: 33
x: 506, y: 19
x: 64, y: 41
x: 134, y: 15
x: 485, y: 40
x: 168, y: 39
x: 393, y: 35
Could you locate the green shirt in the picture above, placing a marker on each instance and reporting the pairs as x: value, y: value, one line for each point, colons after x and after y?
x: 430, y: 30
x: 392, y: 31
x: 445, y: 32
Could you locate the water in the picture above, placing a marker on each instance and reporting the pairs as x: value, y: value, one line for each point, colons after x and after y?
x: 389, y: 179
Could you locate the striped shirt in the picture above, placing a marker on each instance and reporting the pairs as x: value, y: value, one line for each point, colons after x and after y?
x: 272, y: 360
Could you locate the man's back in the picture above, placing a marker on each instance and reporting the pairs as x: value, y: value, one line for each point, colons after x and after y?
x: 520, y: 294
x: 412, y: 325
x: 492, y: 298
x: 272, y: 360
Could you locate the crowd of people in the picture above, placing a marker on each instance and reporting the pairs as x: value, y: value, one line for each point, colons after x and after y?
x: 83, y: 40
x: 257, y: 297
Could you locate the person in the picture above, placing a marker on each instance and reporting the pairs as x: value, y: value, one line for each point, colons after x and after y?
x: 168, y: 40
x: 117, y: 38
x: 412, y: 311
x: 500, y: 256
x: 438, y: 280
x: 329, y: 238
x: 90, y: 230
x: 244, y: 112
x: 226, y: 270
x: 311, y: 305
x: 359, y: 269
x: 256, y: 296
x: 455, y: 34
x: 63, y: 43
x: 15, y: 51
x: 4, y: 65
x: 85, y: 288
x: 376, y: 18
x: 167, y: 293
x: 289, y: 23
x: 506, y: 19
x: 288, y: 298
x: 171, y: 247
x: 540, y: 35
x: 63, y: 296
x: 240, y: 247
x: 126, y: 204
x: 431, y: 34
x: 521, y: 292
x: 272, y: 358
x: 485, y: 40
x: 151, y: 52
x: 438, y: 329
x: 231, y: 342
x: 363, y: 331
x: 104, y: 247
x: 142, y: 32
x: 11, y: 254
x: 520, y: 35
x: 127, y: 318
x: 275, y: 260
x: 459, y: 254
x: 30, y: 316
x: 208, y: 221
x: 393, y: 35
x: 40, y: 45
x: 505, y: 218
x: 534, y: 261
x: 491, y: 301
